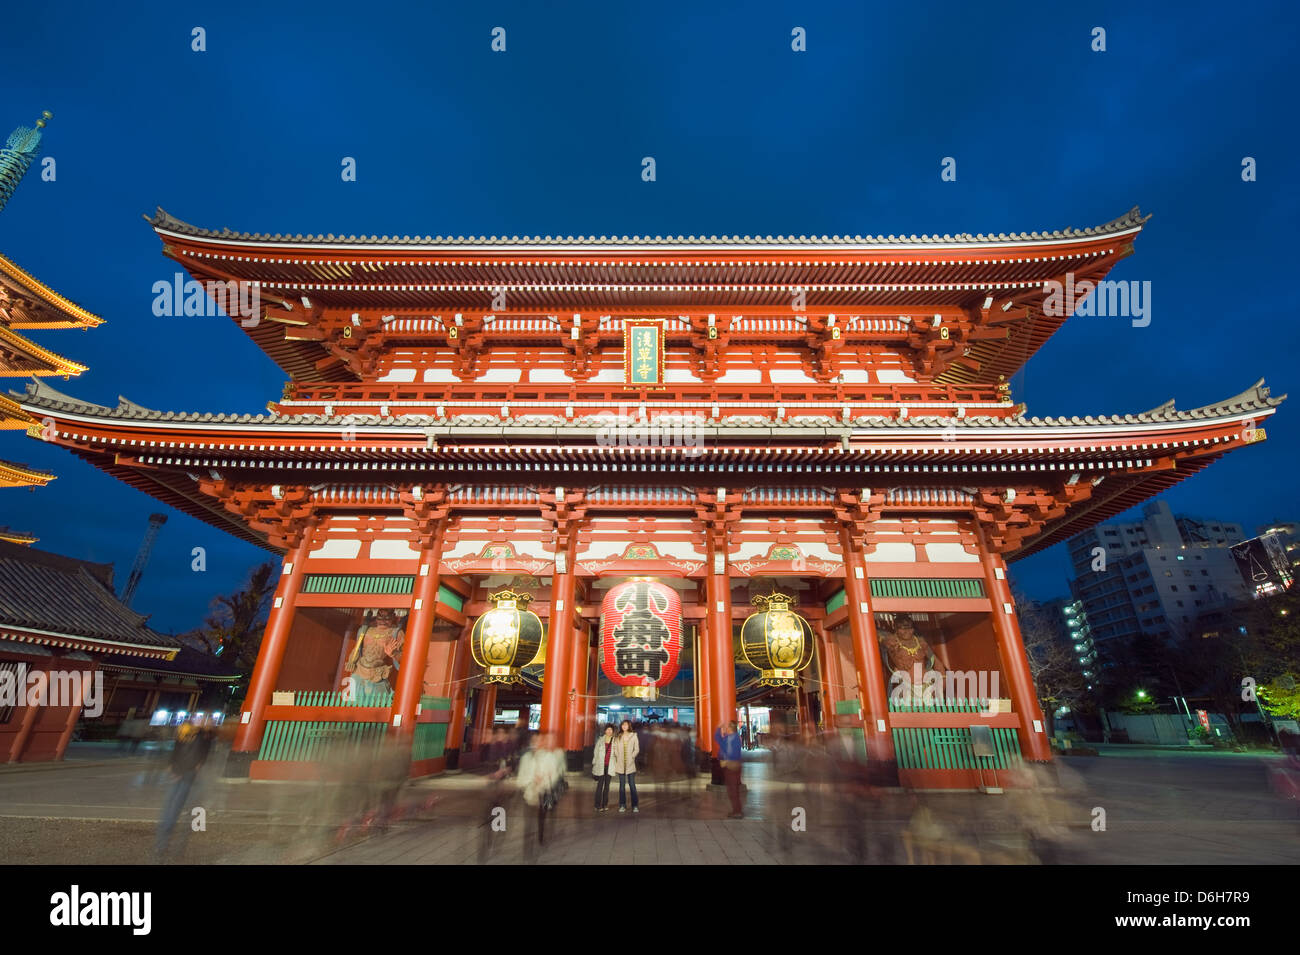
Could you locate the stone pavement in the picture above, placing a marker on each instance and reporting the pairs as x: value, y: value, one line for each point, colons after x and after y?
x: 1192, y: 808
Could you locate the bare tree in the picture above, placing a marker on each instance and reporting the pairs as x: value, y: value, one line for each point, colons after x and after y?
x: 1057, y: 674
x: 234, y: 627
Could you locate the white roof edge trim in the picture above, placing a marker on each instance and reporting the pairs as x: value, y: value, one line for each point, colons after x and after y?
x: 667, y: 249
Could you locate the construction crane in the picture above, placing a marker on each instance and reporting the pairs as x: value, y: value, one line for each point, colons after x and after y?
x: 142, y: 557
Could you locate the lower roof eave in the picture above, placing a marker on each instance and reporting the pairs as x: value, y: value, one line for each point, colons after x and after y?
x: 18, y: 634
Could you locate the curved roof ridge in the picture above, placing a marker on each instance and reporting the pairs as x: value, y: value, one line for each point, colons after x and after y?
x: 76, y: 313
x: 1257, y: 397
x: 43, y: 394
x: 161, y: 220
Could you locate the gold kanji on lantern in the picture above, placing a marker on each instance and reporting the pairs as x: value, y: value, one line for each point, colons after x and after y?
x: 506, y: 638
x: 776, y: 641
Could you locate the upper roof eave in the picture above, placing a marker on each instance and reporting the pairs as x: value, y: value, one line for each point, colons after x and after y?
x: 1129, y: 223
x: 1254, y: 400
x: 76, y: 315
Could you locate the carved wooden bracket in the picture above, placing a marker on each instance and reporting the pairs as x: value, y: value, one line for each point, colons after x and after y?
x: 710, y: 345
x: 857, y: 512
x: 426, y: 507
x: 581, y: 347
x: 565, y: 510
x: 717, y: 511
x: 1013, y: 515
x: 466, y: 339
x: 824, y: 342
x: 283, y: 513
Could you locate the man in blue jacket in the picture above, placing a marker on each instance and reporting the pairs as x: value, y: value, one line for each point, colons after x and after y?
x: 729, y: 758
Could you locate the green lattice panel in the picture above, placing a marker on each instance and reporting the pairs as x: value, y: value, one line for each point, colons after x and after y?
x: 359, y: 584
x: 919, y: 588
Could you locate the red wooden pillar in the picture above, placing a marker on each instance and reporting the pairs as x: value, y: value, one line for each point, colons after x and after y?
x: 485, y: 709
x: 803, y: 713
x: 30, y: 713
x: 590, y: 730
x: 703, y: 687
x: 866, y: 653
x: 73, y: 715
x: 275, y: 640
x: 1011, y: 648
x: 832, y: 678
x: 457, y: 691
x: 575, y: 709
x: 559, y: 642
x: 419, y: 629
x: 722, y: 667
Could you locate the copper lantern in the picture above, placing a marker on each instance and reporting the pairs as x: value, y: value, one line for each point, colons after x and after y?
x: 776, y: 641
x: 506, y: 638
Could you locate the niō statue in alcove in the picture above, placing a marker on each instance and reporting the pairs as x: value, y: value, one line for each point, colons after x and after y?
x: 374, y: 657
x: 908, y: 653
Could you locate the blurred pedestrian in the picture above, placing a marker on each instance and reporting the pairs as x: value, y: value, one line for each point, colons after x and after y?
x: 601, y: 757
x: 728, y: 740
x: 188, y: 756
x: 499, y: 758
x: 541, y: 781
x: 623, y: 761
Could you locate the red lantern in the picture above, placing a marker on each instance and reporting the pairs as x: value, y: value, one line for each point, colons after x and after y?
x: 641, y: 636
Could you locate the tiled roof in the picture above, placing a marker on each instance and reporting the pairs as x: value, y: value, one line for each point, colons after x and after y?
x: 1130, y: 220
x: 73, y: 314
x: 68, y: 597
x: 1255, y: 398
x: 31, y: 473
x: 189, y: 662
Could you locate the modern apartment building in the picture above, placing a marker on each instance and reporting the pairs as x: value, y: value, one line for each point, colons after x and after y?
x: 1155, y: 576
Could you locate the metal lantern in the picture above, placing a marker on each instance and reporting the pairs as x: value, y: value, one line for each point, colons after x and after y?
x: 776, y: 641
x: 506, y: 638
x: 641, y: 636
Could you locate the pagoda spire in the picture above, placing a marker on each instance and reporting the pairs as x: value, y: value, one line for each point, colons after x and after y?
x: 17, y: 155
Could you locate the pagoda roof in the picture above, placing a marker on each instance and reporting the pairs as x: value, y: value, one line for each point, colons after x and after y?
x: 53, y: 600
x: 1131, y: 221
x: 315, y: 279
x: 27, y: 302
x: 21, y: 356
x: 353, y: 458
x: 13, y: 474
x: 40, y: 396
x: 17, y: 537
x: 12, y: 417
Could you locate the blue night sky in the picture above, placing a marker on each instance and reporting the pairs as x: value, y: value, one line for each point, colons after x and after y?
x: 749, y: 137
